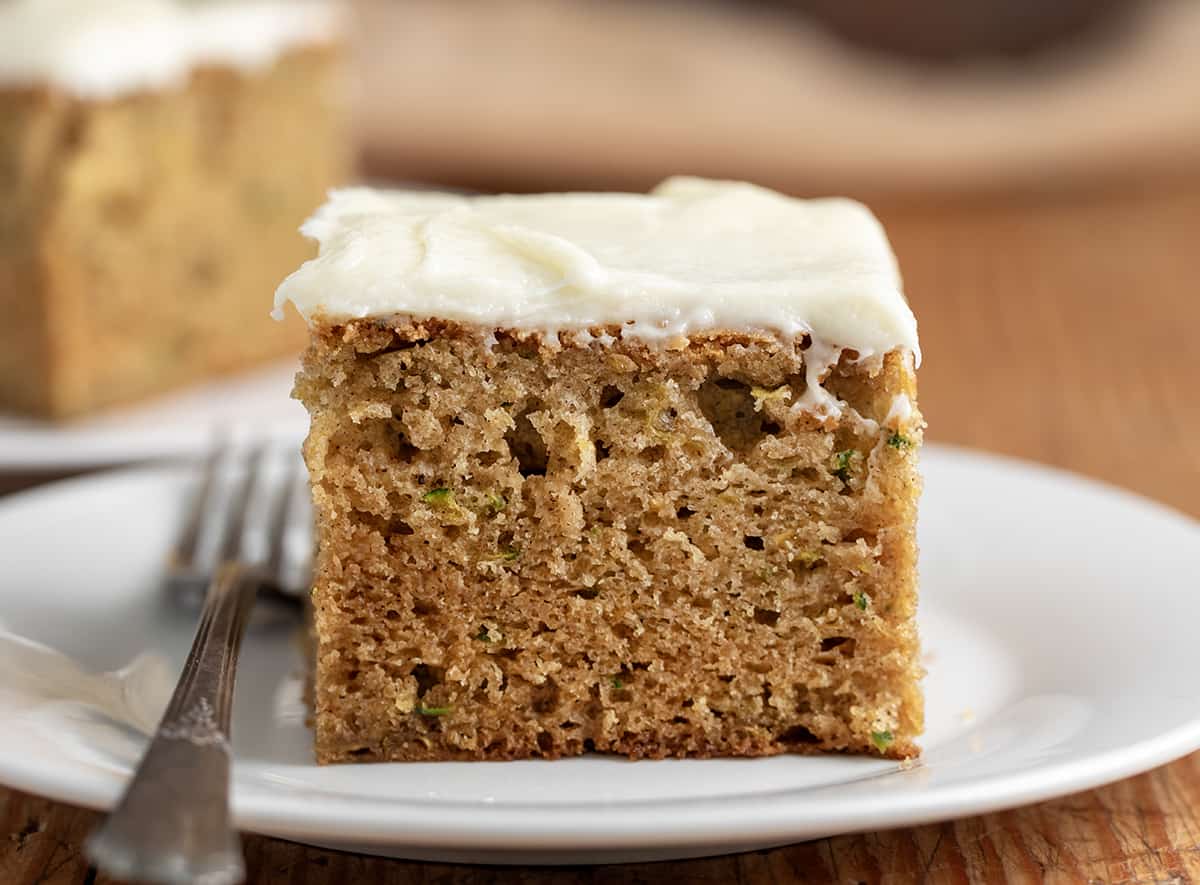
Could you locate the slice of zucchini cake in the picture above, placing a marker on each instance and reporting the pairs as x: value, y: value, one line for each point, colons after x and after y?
x: 155, y: 159
x: 615, y: 472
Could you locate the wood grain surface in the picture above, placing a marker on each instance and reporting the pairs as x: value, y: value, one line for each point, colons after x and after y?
x: 1061, y: 329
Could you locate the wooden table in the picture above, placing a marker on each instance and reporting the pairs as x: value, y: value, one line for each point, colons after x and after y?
x: 1059, y: 328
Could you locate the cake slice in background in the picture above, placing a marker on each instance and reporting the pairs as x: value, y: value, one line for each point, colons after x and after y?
x: 156, y: 158
x: 615, y: 472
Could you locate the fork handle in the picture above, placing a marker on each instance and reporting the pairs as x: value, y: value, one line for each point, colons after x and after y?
x: 173, y: 823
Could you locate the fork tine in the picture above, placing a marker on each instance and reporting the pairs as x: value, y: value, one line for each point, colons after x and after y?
x: 277, y: 523
x: 184, y: 553
x: 239, y: 504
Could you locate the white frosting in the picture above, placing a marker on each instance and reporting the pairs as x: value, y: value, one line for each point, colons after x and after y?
x: 692, y: 255
x: 900, y: 412
x: 105, y: 48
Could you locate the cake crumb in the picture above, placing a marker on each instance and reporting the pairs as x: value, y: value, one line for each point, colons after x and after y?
x: 517, y: 541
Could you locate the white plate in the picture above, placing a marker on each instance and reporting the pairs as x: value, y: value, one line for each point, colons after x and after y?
x: 177, y: 425
x: 1059, y: 617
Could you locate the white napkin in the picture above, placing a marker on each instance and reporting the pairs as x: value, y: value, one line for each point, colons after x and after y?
x: 37, y: 676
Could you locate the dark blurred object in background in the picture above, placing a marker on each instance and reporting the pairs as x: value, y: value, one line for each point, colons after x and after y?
x: 954, y: 29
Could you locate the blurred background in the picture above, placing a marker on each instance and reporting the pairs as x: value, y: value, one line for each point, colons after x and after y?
x: 809, y: 96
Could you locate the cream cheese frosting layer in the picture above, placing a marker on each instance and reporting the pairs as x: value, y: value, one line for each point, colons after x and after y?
x: 690, y: 256
x: 106, y: 48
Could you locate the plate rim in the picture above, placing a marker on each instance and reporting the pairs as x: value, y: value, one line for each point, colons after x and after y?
x: 372, y: 821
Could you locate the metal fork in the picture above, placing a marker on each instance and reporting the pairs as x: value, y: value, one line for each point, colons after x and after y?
x: 173, y: 823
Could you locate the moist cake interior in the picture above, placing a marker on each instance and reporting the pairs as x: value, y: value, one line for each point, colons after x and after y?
x: 533, y: 548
